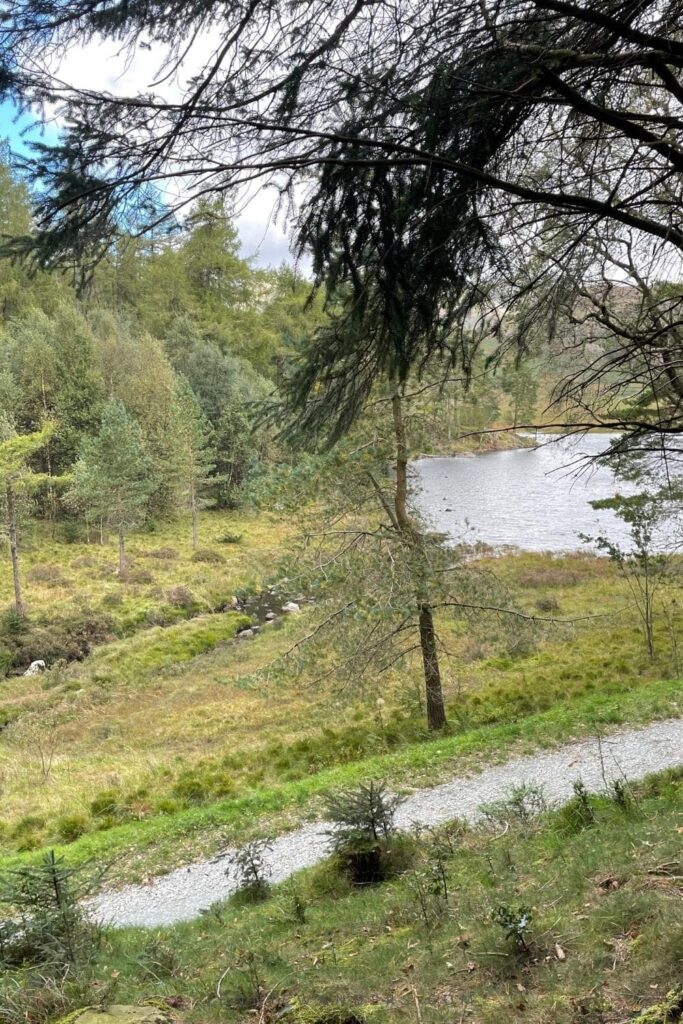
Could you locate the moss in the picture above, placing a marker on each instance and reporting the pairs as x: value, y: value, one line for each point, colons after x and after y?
x: 668, y: 1011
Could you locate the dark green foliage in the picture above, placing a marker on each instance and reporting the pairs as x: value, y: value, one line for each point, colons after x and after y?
x: 112, y: 477
x: 363, y: 830
x: 13, y: 625
x: 295, y: 904
x: 578, y: 813
x: 515, y: 922
x: 47, y: 925
x: 620, y: 793
x: 71, y: 828
x: 248, y: 868
x: 524, y: 803
x: 109, y: 804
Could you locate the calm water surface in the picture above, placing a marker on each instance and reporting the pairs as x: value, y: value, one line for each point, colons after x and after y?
x: 534, y: 498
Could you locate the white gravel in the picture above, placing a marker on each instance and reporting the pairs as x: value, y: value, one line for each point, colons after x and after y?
x: 631, y: 754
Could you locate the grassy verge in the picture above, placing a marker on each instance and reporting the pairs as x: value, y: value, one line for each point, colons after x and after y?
x: 162, y: 842
x: 602, y: 939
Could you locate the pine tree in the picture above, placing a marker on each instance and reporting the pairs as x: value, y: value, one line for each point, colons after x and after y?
x: 113, y: 478
x: 17, y: 480
x: 196, y: 458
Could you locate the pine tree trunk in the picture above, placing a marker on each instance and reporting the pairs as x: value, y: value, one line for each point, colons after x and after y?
x: 436, y: 712
x: 436, y: 715
x: 195, y: 521
x: 122, y: 551
x: 14, y: 550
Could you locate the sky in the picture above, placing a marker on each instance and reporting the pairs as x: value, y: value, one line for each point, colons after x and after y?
x: 262, y: 236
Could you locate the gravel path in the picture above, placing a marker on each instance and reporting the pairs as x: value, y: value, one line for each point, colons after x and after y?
x: 634, y: 753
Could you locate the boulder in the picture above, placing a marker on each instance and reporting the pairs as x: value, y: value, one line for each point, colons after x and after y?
x: 35, y: 668
x: 244, y: 634
x: 291, y: 607
x: 118, y: 1014
x: 270, y: 616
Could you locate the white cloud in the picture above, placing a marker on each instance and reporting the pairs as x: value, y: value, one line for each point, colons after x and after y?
x: 103, y: 66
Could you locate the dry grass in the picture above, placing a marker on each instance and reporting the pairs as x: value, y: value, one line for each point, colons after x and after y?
x: 169, y: 717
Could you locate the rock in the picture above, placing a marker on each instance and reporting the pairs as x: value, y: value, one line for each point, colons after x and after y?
x: 256, y: 629
x: 118, y: 1014
x: 291, y: 607
x: 36, y: 667
x: 244, y: 634
x: 270, y: 616
x: 234, y: 602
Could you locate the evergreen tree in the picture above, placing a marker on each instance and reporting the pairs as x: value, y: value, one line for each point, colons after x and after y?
x: 196, y: 455
x: 113, y: 476
x: 17, y: 480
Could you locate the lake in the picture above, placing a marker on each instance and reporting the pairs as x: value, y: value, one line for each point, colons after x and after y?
x: 535, y: 498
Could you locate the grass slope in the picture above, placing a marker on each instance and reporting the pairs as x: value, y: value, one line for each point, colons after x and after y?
x: 605, y: 939
x: 158, y: 742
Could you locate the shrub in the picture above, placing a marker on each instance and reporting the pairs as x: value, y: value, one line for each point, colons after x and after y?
x: 515, y: 922
x: 110, y: 806
x: 620, y: 794
x: 362, y: 831
x: 71, y: 828
x: 180, y: 597
x: 69, y: 638
x: 524, y: 803
x: 231, y: 538
x: 208, y: 556
x: 12, y: 624
x: 6, y: 661
x: 139, y: 576
x: 48, y: 926
x: 168, y: 554
x: 248, y: 868
x: 84, y: 562
x: 72, y: 531
x: 28, y: 832
x: 48, y: 575
x: 547, y: 605
x: 295, y: 904
x: 578, y: 813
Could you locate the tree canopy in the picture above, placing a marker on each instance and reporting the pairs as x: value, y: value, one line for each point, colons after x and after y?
x: 456, y: 159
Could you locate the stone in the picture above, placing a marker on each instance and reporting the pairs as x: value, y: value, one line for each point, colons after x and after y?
x: 118, y: 1014
x: 270, y: 616
x: 244, y: 634
x: 291, y: 607
x: 35, y: 668
x: 234, y: 602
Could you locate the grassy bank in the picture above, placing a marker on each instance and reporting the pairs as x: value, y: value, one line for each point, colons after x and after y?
x: 141, y: 846
x: 599, y: 891
x: 161, y: 740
